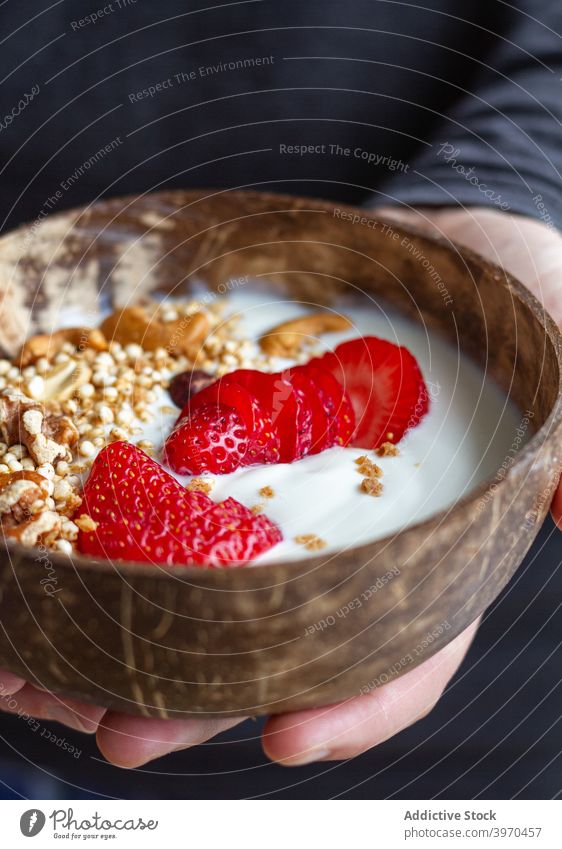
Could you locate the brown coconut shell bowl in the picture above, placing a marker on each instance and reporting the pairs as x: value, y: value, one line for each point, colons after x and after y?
x: 245, y: 641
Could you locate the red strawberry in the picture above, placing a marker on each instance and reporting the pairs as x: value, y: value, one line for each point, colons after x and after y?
x: 303, y: 435
x: 144, y: 514
x: 255, y: 534
x: 265, y: 444
x: 213, y: 539
x: 277, y: 401
x: 112, y: 541
x: 224, y: 393
x: 263, y: 439
x: 385, y: 386
x: 337, y: 406
x: 312, y: 424
x: 286, y: 416
x: 212, y: 438
x: 124, y: 482
x: 367, y: 391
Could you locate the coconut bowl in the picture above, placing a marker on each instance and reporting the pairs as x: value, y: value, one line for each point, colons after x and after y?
x: 180, y: 641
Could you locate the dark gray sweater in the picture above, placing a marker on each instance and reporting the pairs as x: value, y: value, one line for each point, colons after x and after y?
x: 365, y: 101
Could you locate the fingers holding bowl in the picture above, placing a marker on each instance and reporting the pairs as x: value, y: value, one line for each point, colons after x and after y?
x: 19, y: 698
x: 131, y: 741
x: 345, y: 730
x: 9, y: 683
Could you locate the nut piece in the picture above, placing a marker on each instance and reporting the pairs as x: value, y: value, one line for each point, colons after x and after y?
x: 22, y: 495
x: 387, y: 449
x: 86, y: 523
x: 47, y: 436
x: 137, y: 325
x: 43, y: 528
x: 66, y: 498
x: 372, y: 486
x: 61, y: 382
x: 48, y: 345
x: 287, y: 339
x: 368, y: 468
x: 200, y: 485
x: 311, y: 542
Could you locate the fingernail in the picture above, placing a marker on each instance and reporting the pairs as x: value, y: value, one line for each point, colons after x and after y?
x: 10, y: 685
x: 67, y: 717
x: 308, y: 757
x: 8, y: 690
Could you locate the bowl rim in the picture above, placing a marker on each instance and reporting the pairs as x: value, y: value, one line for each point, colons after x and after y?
x: 236, y: 578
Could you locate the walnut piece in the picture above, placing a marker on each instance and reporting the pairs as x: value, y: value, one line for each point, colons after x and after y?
x: 48, y: 345
x: 43, y: 528
x: 47, y: 436
x: 138, y: 325
x: 287, y: 339
x: 22, y: 495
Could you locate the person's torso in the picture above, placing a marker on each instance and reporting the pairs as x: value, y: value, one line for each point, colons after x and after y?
x: 322, y: 97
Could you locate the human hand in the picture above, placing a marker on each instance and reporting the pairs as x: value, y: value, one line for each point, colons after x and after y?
x: 330, y: 733
x: 531, y: 252
x: 126, y: 740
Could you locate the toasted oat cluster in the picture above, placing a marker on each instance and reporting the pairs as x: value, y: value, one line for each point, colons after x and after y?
x: 388, y: 449
x: 311, y: 542
x: 372, y: 472
x: 69, y: 393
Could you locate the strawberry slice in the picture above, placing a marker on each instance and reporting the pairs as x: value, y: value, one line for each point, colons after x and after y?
x: 278, y: 403
x: 337, y: 406
x: 265, y: 444
x: 303, y: 435
x: 366, y: 392
x: 222, y: 547
x: 263, y: 439
x: 224, y: 393
x: 214, y: 539
x: 254, y: 536
x: 124, y: 482
x: 212, y: 438
x: 312, y: 424
x: 385, y: 386
x: 145, y: 515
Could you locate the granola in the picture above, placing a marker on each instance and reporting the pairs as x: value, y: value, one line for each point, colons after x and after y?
x: 388, y: 449
x: 69, y: 393
x: 311, y: 542
x: 372, y: 486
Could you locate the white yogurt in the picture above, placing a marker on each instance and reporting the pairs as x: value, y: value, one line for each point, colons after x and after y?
x: 463, y: 440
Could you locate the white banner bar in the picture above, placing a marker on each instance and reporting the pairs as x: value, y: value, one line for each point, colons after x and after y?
x: 282, y: 824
